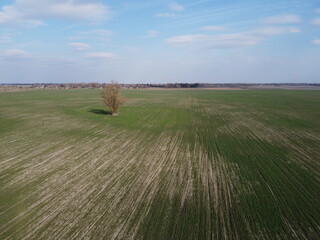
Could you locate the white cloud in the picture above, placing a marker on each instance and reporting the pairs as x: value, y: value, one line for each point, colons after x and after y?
x: 241, y: 39
x: 213, y: 28
x: 165, y: 15
x: 176, y: 7
x: 103, y: 34
x: 15, y: 53
x: 316, y: 41
x: 152, y: 34
x: 316, y: 22
x: 75, y: 38
x: 269, y: 31
x: 187, y: 39
x: 101, y: 55
x: 100, y: 32
x: 133, y: 50
x: 33, y: 12
x: 283, y: 19
x: 80, y: 46
x: 5, y: 39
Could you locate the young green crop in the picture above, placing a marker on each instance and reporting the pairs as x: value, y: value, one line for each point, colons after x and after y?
x: 175, y: 164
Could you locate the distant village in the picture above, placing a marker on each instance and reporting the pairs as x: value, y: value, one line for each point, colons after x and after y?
x: 166, y: 85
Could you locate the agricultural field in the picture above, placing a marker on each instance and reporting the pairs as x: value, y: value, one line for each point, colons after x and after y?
x: 174, y: 164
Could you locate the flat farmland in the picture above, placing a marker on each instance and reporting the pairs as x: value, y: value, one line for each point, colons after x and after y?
x: 174, y: 164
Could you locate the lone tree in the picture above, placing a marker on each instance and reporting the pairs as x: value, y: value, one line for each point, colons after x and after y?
x: 112, y: 98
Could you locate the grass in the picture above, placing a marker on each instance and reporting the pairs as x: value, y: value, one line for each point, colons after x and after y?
x: 174, y: 164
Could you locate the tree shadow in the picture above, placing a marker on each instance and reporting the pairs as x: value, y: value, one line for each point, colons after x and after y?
x: 100, y: 111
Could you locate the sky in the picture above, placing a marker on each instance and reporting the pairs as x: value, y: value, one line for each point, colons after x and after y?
x: 160, y: 41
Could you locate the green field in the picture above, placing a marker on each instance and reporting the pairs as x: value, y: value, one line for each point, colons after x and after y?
x: 174, y: 164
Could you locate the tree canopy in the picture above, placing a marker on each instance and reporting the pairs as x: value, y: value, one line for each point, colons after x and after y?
x: 112, y: 98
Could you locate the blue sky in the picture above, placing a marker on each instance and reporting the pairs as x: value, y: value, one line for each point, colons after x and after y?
x: 214, y: 41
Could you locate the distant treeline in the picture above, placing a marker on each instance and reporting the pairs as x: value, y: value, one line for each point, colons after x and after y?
x: 166, y: 85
